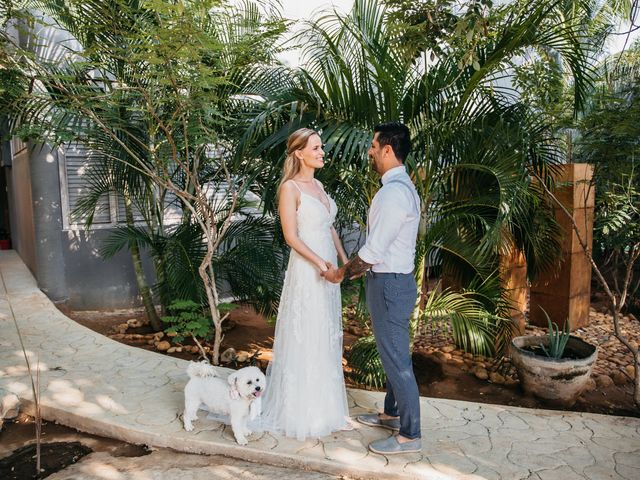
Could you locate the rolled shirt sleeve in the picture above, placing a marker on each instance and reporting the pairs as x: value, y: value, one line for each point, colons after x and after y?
x: 385, y: 221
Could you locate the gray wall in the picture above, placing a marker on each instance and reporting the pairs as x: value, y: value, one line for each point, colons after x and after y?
x: 20, y: 210
x: 66, y: 264
x: 70, y: 269
x: 93, y: 283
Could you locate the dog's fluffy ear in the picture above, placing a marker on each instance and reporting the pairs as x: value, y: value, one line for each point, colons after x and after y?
x: 233, y: 386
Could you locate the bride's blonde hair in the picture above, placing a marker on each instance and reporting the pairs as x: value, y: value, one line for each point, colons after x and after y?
x: 297, y: 141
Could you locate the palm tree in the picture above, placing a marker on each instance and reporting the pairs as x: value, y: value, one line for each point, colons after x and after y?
x: 157, y: 81
x: 474, y: 142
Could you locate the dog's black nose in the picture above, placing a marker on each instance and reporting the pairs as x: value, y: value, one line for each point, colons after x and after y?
x: 258, y: 389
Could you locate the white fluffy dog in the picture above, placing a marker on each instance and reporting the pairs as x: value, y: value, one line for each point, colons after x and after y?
x: 238, y: 396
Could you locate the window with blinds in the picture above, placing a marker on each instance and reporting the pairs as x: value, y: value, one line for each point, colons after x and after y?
x: 75, y: 163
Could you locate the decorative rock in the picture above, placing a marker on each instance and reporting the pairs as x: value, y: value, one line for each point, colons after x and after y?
x: 631, y: 371
x: 448, y: 348
x: 158, y: 335
x: 481, y: 373
x: 228, y: 355
x: 620, y: 378
x: 178, y: 349
x: 468, y: 355
x: 496, y: 378
x: 604, y: 381
x: 9, y: 406
x: 171, y: 350
x: 242, y: 356
x: 591, y: 385
x: 171, y: 334
x: 163, y: 346
x: 265, y: 356
x: 443, y: 356
x: 122, y: 327
x: 510, y: 381
x: 135, y: 323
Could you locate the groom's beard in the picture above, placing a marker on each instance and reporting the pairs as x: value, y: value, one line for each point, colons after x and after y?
x: 374, y: 165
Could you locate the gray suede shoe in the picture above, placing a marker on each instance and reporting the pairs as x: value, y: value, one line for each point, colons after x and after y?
x: 391, y: 446
x: 374, y: 420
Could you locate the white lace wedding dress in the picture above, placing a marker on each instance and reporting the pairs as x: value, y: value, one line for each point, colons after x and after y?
x: 305, y: 394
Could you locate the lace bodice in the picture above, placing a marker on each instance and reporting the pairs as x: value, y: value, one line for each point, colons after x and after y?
x: 313, y: 215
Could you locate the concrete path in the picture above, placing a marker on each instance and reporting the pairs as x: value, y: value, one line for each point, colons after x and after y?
x: 97, y: 385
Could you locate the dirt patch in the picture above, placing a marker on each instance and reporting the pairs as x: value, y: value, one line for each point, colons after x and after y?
x: 21, y: 464
x: 61, y: 446
x: 441, y: 371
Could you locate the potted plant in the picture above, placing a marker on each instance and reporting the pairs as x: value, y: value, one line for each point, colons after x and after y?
x: 555, y: 367
x: 5, y: 241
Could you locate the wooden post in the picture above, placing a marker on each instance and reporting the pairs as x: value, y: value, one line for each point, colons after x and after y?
x: 513, y: 275
x: 566, y: 294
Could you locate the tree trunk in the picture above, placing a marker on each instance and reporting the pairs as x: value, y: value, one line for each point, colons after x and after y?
x: 206, y: 273
x: 636, y: 381
x: 143, y: 288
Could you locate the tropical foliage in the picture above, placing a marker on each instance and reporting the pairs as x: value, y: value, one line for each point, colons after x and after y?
x: 475, y: 143
x: 149, y: 90
x: 609, y: 139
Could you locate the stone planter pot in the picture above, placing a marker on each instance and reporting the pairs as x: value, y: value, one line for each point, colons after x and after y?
x: 559, y: 381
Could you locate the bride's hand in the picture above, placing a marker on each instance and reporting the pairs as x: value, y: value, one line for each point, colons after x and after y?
x: 325, y: 266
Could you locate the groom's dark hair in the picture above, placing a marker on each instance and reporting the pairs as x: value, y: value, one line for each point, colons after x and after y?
x: 397, y: 136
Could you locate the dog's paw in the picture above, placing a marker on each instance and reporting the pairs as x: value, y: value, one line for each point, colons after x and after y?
x: 188, y: 427
x: 242, y: 441
x: 248, y: 433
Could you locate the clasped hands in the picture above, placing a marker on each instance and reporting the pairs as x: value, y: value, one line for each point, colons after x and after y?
x: 332, y: 274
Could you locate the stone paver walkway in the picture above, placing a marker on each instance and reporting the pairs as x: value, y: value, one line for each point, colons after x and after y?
x: 97, y: 385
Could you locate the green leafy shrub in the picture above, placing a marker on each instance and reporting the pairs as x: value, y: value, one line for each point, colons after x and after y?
x: 187, y: 319
x: 366, y: 364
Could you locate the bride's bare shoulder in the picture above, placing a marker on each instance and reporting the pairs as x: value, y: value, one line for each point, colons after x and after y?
x: 288, y: 194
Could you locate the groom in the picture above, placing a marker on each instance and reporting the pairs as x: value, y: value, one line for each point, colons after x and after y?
x: 388, y: 258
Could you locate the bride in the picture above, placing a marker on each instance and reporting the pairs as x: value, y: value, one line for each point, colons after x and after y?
x: 306, y: 395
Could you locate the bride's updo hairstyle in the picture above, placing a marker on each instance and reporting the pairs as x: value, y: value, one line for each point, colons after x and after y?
x: 297, y: 141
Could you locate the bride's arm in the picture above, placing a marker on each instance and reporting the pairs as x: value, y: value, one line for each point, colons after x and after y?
x: 287, y: 206
x: 342, y: 255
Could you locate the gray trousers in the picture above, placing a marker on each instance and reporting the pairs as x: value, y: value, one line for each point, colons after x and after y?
x: 390, y: 299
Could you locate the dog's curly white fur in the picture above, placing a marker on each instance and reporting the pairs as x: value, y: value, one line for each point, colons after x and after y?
x: 238, y: 396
